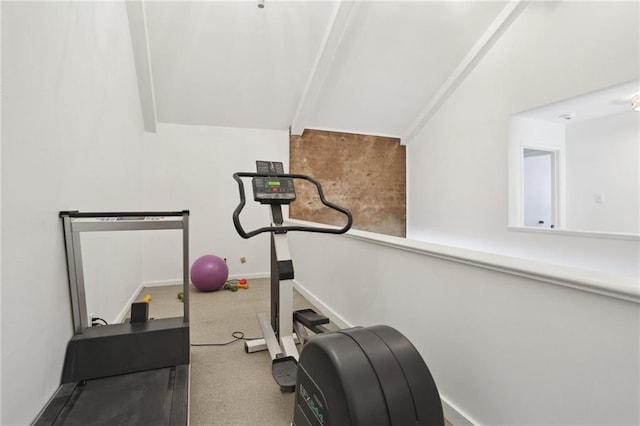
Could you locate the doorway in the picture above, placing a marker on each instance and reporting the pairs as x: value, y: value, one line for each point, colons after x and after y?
x: 540, y: 188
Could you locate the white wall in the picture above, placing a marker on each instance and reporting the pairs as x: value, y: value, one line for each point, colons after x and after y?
x: 457, y: 166
x: 191, y: 168
x: 503, y: 349
x: 603, y: 158
x: 507, y: 350
x: 71, y: 139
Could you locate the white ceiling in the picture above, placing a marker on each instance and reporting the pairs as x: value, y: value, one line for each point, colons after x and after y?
x: 231, y: 63
x: 370, y: 67
x: 602, y: 103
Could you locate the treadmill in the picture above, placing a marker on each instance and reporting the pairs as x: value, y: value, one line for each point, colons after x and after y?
x: 134, y: 373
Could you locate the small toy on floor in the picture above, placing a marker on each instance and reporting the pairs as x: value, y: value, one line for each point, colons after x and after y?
x: 146, y: 298
x: 234, y: 285
x: 181, y: 296
x: 230, y: 286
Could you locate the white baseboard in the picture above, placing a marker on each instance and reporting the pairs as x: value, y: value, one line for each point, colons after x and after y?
x: 254, y: 276
x: 178, y: 281
x: 161, y: 283
x: 123, y: 313
x: 326, y: 310
x: 454, y: 415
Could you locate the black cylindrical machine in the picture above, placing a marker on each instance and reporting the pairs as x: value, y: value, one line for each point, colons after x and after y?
x: 364, y: 376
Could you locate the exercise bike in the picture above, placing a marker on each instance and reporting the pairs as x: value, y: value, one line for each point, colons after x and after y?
x: 358, y: 376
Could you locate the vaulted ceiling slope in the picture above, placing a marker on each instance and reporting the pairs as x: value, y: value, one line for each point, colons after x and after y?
x: 369, y: 67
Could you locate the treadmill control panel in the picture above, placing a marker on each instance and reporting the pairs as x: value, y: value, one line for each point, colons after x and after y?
x: 272, y: 190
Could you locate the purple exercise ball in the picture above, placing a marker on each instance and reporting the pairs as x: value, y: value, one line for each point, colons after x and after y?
x: 209, y: 273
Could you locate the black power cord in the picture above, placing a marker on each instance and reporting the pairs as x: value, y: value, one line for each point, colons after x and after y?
x: 96, y: 321
x: 237, y: 336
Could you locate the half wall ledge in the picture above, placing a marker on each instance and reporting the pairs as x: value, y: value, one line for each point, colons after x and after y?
x: 615, y: 286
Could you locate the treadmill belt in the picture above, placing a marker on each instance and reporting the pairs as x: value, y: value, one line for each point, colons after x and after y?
x: 143, y: 398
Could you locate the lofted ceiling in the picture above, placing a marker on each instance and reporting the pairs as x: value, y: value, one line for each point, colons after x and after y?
x: 372, y: 67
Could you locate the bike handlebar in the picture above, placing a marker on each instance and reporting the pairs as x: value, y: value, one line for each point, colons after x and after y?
x: 282, y: 229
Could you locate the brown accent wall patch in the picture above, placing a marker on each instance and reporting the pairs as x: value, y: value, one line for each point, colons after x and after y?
x: 366, y: 174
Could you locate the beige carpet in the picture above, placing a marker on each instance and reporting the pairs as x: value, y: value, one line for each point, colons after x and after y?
x: 228, y: 386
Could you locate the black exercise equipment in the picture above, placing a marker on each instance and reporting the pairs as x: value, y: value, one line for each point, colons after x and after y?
x: 358, y: 376
x: 132, y: 373
x: 364, y: 376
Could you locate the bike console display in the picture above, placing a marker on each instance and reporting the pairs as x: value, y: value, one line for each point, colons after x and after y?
x: 271, y: 185
x: 272, y: 189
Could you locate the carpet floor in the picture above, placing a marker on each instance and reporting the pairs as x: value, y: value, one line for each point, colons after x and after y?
x: 228, y: 386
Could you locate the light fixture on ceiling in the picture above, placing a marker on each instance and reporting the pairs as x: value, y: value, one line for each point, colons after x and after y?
x: 568, y: 116
x: 635, y: 102
x: 261, y: 4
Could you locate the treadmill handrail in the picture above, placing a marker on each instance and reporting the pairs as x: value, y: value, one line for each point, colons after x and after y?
x: 78, y: 214
x: 282, y: 229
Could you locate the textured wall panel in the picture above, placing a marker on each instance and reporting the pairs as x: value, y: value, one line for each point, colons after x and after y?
x: 363, y: 173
